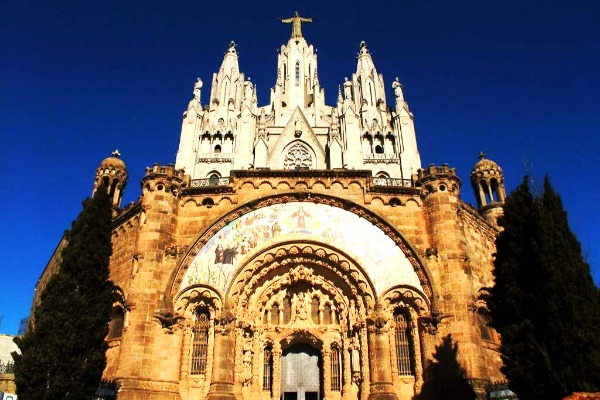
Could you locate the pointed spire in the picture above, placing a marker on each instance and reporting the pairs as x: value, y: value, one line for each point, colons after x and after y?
x: 363, y: 50
x: 232, y: 49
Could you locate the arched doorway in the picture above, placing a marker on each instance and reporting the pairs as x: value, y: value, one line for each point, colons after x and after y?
x: 301, y: 373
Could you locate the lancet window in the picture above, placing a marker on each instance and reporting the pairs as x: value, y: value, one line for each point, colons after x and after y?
x: 297, y: 73
x: 404, y: 343
x: 267, y: 385
x: 200, y: 333
x: 336, y: 363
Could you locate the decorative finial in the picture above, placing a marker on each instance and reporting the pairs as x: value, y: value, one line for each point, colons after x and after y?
x: 363, y: 48
x: 231, y: 48
x: 296, y: 22
x: 481, y: 155
x: 116, y: 154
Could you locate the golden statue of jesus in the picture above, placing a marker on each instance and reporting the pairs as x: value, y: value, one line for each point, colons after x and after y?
x: 296, y: 22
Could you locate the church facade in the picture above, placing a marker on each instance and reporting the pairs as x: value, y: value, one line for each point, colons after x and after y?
x: 298, y: 250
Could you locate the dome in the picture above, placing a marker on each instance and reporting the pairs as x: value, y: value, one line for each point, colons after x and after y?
x: 485, y: 167
x: 113, y: 162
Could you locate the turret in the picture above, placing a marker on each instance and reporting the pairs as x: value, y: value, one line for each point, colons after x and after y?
x: 112, y: 173
x: 487, y: 180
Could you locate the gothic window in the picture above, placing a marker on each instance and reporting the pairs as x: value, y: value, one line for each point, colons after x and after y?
x: 367, y: 143
x: 117, y: 323
x: 314, y: 310
x: 200, y: 333
x: 327, y: 314
x: 404, y: 343
x: 213, y: 179
x: 275, y: 314
x: 217, y: 149
x: 267, y: 385
x: 378, y: 143
x: 298, y: 157
x: 287, y: 310
x: 336, y: 376
x: 390, y: 144
x: 297, y: 73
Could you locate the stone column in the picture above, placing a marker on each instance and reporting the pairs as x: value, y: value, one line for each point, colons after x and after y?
x: 221, y: 385
x: 381, y: 387
x: 326, y: 354
x: 276, y: 371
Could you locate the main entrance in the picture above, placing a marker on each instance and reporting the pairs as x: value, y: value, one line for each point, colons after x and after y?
x: 301, y: 375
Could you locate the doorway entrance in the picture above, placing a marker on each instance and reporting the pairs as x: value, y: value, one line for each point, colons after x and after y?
x: 301, y: 373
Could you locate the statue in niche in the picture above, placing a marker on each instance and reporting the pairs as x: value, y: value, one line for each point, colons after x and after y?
x: 247, y: 360
x: 301, y: 311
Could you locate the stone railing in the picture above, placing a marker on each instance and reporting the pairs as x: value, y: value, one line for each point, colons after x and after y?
x: 210, y: 182
x: 393, y: 182
x: 380, y: 158
x: 214, y: 158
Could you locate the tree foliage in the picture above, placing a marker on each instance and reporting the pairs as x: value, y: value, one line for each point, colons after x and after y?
x: 544, y: 303
x: 63, y: 352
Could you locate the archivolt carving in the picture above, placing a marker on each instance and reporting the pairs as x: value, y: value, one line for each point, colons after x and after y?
x: 197, y: 296
x: 267, y: 265
x: 407, y: 297
x: 308, y: 197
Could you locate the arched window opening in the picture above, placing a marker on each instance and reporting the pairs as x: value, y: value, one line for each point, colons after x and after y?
x: 327, y: 314
x: 113, y: 188
x: 378, y: 149
x: 297, y: 73
x: 213, y: 179
x: 267, y: 385
x: 275, y: 314
x: 287, y: 310
x: 106, y: 181
x: 367, y: 143
x: 336, y: 363
x: 117, y: 323
x: 200, y: 333
x: 371, y: 93
x: 314, y: 310
x: 404, y: 343
x: 390, y: 144
x: 494, y: 190
x: 483, y: 321
x: 217, y: 149
x: 484, y: 193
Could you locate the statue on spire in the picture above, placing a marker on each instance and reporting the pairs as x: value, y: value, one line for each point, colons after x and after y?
x: 296, y: 22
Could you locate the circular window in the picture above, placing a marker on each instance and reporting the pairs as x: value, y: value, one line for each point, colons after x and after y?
x: 298, y: 157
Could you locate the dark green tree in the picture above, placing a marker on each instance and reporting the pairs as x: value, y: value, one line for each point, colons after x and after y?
x: 63, y: 352
x: 544, y: 303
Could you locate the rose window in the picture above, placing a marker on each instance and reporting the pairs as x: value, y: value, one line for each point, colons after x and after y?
x: 298, y: 157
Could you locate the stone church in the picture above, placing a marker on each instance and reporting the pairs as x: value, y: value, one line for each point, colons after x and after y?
x: 298, y: 250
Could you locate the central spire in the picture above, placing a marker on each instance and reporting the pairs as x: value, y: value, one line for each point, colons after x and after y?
x: 296, y: 22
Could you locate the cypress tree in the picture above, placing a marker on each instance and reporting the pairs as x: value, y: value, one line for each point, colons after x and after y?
x: 63, y: 352
x: 544, y: 302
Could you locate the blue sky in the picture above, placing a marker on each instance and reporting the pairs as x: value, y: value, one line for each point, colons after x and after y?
x: 519, y: 80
